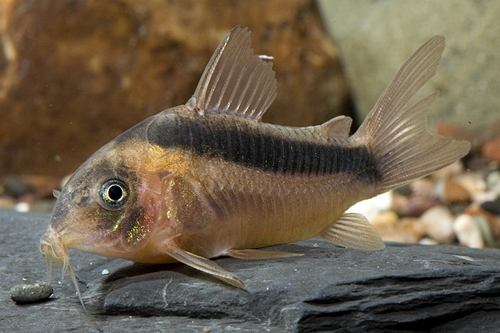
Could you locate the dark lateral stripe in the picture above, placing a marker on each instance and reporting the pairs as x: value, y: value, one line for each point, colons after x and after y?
x: 258, y: 149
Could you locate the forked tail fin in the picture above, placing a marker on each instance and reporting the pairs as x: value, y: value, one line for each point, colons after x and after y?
x: 397, y: 136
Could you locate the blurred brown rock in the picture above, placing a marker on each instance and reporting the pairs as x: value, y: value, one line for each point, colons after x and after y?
x: 413, y: 205
x: 491, y: 150
x: 454, y: 192
x: 15, y: 186
x: 42, y: 185
x: 408, y: 230
x: 7, y: 202
x: 74, y: 74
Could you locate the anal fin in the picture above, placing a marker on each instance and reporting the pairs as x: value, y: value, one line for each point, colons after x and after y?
x: 202, y: 264
x: 254, y: 254
x: 355, y: 231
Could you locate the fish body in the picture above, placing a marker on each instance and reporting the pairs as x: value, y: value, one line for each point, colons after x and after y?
x: 209, y: 178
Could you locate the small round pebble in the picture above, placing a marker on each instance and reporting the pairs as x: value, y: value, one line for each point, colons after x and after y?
x: 30, y: 293
x: 455, y: 192
x: 468, y: 231
x: 438, y: 224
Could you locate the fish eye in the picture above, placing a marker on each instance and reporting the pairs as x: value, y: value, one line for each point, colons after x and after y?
x: 114, y: 193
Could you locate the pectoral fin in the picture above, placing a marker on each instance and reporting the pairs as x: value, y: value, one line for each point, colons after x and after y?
x: 355, y: 231
x: 253, y: 254
x: 202, y: 264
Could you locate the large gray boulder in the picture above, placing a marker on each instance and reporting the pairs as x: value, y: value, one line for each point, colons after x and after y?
x: 375, y: 37
x: 402, y: 288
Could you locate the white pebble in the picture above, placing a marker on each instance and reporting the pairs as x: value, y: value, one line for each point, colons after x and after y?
x: 473, y: 182
x: 23, y: 207
x: 105, y: 272
x: 438, y: 224
x: 468, y: 232
x: 481, y: 197
x: 427, y: 241
x: 371, y: 207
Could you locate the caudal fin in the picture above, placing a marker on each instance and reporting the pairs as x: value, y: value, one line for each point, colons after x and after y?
x: 397, y: 136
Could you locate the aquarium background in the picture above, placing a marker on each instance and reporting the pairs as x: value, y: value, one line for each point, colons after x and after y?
x: 75, y: 74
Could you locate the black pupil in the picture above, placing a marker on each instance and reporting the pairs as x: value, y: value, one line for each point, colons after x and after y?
x: 115, y: 192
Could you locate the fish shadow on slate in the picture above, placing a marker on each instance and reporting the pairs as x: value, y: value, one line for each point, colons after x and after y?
x: 142, y: 289
x: 176, y: 289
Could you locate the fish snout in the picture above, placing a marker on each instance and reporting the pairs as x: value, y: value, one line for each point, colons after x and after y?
x: 53, y: 248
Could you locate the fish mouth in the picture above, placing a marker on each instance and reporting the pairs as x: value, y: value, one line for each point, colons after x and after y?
x: 52, y: 246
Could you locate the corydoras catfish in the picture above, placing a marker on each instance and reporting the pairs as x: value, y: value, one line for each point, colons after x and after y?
x: 209, y: 178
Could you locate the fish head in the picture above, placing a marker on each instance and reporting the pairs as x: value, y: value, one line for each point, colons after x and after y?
x: 101, y: 192
x: 115, y: 204
x: 109, y: 206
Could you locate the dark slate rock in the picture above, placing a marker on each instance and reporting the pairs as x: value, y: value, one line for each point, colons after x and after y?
x: 403, y: 288
x: 492, y: 206
x: 14, y: 186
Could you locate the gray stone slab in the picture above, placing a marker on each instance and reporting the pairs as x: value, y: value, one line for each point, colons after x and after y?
x: 403, y: 288
x: 376, y: 37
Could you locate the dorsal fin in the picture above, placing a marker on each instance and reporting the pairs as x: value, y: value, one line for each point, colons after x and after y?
x: 235, y: 80
x: 338, y: 127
